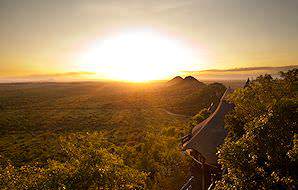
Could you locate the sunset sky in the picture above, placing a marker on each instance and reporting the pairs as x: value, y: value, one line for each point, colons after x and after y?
x: 84, y: 37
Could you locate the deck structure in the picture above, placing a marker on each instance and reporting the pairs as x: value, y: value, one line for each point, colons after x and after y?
x: 201, y: 145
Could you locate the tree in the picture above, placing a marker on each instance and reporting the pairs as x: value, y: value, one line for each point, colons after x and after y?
x: 260, y: 150
x: 87, y: 165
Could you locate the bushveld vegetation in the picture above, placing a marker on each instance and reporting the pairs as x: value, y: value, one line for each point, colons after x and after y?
x: 260, y: 150
x: 97, y: 135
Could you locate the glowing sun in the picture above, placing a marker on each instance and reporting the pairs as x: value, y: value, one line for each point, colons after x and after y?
x: 137, y: 56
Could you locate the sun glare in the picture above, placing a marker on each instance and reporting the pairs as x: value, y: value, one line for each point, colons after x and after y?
x: 137, y: 57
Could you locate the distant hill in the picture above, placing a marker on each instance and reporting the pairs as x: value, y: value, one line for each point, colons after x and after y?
x: 175, y: 80
x: 188, y: 81
x: 190, y: 78
x: 189, y: 95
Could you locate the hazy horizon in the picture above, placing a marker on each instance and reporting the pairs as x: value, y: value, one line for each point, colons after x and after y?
x: 204, y: 75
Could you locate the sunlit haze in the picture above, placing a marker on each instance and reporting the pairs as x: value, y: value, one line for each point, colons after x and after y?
x: 55, y: 40
x: 138, y: 56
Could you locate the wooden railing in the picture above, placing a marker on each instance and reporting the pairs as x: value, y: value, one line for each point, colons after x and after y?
x: 185, y: 139
x: 188, y: 184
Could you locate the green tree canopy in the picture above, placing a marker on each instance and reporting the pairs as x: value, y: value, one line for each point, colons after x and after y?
x: 260, y: 150
x: 88, y: 164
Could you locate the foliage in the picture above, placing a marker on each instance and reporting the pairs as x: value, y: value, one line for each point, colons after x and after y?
x: 87, y: 166
x: 198, y: 118
x: 96, y: 135
x: 260, y: 150
x: 190, y: 102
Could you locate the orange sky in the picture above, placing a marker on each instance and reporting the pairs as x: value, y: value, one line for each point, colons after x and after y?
x: 47, y: 37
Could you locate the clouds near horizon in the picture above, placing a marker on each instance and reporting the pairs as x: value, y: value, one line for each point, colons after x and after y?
x: 240, y: 73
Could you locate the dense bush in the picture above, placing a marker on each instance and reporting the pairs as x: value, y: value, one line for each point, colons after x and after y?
x: 89, y: 161
x: 260, y: 151
x: 97, y: 135
x: 87, y: 165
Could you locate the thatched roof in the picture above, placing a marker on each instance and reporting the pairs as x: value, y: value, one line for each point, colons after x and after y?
x: 210, y: 133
